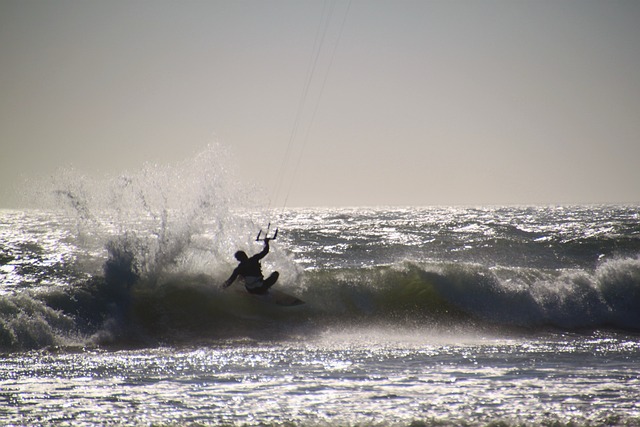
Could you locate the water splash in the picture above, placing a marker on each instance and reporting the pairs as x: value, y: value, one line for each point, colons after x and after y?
x: 155, y: 233
x: 159, y: 218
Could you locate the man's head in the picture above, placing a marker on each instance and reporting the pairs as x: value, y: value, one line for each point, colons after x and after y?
x: 241, y: 256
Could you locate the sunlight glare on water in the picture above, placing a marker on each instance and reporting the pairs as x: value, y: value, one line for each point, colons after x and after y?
x: 340, y: 377
x: 431, y: 316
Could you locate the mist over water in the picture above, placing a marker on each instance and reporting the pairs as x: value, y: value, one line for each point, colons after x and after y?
x: 160, y: 207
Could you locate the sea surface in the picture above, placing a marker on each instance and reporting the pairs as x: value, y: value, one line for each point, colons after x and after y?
x: 111, y: 313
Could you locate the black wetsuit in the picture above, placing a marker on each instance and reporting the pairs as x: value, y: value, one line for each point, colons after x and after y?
x: 251, y: 271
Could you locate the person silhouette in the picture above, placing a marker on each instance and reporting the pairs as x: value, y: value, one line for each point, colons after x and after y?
x: 250, y: 271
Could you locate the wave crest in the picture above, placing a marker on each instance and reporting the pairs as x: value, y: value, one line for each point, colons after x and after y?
x: 182, y: 307
x: 513, y: 297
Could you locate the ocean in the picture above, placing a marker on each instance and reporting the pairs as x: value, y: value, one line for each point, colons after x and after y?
x: 111, y: 311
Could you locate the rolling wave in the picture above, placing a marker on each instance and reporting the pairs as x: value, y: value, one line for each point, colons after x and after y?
x: 512, y: 297
x: 123, y: 308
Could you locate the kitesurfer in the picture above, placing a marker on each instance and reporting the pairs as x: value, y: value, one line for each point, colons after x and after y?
x: 250, y: 271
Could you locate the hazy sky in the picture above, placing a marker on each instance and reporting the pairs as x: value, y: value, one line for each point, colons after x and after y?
x: 425, y: 102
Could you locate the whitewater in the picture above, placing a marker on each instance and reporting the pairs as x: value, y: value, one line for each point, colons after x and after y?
x: 112, y: 313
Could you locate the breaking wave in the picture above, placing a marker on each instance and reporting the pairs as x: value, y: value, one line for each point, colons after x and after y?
x: 184, y: 308
x: 525, y: 298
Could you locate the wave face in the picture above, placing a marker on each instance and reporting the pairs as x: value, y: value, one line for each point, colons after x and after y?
x: 453, y: 293
x: 181, y: 308
x: 137, y: 260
